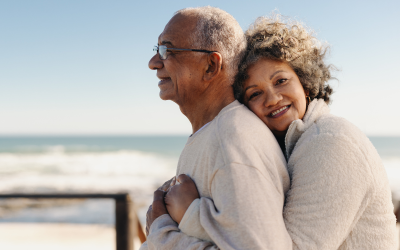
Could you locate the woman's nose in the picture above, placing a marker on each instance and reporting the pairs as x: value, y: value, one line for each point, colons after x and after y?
x: 272, y: 99
x: 156, y: 63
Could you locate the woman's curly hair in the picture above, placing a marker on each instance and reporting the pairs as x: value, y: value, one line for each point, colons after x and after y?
x: 288, y: 41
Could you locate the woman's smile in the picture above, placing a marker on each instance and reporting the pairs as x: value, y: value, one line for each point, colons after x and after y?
x: 279, y: 112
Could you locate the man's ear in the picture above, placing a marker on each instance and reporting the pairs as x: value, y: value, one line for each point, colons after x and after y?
x: 214, y: 61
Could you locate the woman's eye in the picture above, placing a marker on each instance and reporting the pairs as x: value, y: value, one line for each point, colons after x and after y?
x: 254, y: 95
x: 281, y: 81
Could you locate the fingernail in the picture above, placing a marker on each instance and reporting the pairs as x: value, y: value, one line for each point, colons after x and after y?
x: 172, y: 182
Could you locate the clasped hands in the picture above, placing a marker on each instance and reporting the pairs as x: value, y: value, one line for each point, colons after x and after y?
x: 174, y: 198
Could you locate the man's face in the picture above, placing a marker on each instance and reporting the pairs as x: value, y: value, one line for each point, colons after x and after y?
x: 181, y: 72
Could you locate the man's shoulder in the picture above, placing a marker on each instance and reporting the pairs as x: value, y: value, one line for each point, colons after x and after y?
x: 237, y: 119
x: 240, y: 132
x: 245, y: 140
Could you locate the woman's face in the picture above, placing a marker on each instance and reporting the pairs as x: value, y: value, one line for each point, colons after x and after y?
x: 274, y: 93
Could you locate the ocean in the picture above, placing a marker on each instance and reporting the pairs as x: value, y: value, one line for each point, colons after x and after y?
x: 134, y: 164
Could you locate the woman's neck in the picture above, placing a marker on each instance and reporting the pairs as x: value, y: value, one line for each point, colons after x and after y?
x: 281, y: 142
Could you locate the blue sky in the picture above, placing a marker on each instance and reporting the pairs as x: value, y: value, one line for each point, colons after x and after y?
x: 80, y: 67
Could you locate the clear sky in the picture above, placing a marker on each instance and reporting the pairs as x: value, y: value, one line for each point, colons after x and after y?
x: 80, y: 67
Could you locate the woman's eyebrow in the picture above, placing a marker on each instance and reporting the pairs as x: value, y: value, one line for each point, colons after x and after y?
x: 248, y: 87
x: 276, y: 72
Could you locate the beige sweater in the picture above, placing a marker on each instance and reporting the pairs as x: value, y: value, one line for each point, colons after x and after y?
x: 339, y: 196
x: 241, y: 175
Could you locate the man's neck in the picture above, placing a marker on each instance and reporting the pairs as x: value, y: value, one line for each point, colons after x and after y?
x: 206, y: 110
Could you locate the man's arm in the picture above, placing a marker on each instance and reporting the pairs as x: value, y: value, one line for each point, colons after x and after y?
x: 245, y: 213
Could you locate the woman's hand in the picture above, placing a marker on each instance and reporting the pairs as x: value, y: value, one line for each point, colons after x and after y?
x: 156, y: 209
x: 180, y: 195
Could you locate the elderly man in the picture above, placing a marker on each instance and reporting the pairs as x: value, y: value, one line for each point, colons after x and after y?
x: 233, y: 158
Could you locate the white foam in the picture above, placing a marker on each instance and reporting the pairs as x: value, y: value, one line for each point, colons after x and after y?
x: 131, y: 171
x: 57, y: 171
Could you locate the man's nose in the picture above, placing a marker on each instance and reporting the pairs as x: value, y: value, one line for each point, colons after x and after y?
x: 155, y: 62
x: 272, y: 98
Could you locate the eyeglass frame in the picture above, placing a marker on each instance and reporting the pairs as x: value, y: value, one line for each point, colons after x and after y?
x: 156, y: 50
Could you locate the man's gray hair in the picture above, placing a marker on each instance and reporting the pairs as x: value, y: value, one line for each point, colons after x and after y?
x: 218, y: 30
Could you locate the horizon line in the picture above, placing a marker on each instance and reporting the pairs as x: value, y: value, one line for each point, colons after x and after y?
x: 9, y: 135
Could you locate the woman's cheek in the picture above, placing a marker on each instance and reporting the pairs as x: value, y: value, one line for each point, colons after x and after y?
x: 302, y: 110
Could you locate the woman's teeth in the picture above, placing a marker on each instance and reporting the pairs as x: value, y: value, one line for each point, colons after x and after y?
x: 279, y: 110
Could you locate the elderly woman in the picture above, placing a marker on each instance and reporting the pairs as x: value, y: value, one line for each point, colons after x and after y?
x: 339, y: 196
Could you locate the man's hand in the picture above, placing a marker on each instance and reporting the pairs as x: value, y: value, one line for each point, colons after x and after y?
x: 156, y: 209
x: 180, y: 196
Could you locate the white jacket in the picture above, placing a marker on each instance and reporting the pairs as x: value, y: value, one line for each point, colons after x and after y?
x: 339, y: 196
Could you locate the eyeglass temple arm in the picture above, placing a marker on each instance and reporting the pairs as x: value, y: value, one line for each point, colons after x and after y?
x: 198, y: 50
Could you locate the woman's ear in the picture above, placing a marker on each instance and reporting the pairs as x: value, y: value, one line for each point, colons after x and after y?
x: 214, y: 61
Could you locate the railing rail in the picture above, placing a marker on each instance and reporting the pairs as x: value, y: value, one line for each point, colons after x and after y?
x: 124, y: 218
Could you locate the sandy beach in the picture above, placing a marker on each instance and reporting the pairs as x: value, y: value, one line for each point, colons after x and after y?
x: 51, y: 236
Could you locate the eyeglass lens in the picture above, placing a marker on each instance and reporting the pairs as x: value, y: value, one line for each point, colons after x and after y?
x: 161, y: 50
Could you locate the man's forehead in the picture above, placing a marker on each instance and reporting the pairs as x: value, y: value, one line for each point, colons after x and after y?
x: 178, y: 30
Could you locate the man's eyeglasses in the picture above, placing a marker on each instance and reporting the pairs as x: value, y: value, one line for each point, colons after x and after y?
x: 162, y: 51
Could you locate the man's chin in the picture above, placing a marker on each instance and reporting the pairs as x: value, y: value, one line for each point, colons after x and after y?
x: 164, y: 95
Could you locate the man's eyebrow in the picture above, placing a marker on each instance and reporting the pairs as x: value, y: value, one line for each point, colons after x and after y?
x: 248, y: 87
x: 166, y: 42
x: 276, y: 72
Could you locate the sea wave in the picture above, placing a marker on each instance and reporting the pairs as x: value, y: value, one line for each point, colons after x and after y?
x: 139, y: 173
x: 392, y: 166
x: 57, y: 170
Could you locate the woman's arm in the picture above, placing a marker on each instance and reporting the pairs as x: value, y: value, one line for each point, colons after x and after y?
x: 245, y: 213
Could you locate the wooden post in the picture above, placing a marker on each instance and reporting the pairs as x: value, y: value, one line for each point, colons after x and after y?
x: 123, y: 227
x: 140, y: 232
x: 123, y: 214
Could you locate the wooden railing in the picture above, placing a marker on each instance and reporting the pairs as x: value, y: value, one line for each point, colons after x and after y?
x: 127, y: 224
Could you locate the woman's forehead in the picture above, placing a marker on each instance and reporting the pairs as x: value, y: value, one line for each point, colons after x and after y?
x: 268, y: 67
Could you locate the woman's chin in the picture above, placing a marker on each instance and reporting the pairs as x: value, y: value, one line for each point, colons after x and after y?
x: 279, y: 128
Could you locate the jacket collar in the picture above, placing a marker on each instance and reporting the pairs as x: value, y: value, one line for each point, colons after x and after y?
x: 315, y: 109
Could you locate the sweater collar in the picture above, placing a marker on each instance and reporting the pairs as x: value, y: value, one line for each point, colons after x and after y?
x: 228, y: 107
x: 315, y: 109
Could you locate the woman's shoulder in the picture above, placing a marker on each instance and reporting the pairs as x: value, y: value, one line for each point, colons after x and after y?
x: 333, y: 125
x: 334, y: 138
x: 333, y: 130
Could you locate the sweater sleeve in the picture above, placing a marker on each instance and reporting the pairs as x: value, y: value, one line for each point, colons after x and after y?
x: 191, y: 224
x: 329, y: 191
x: 164, y: 234
x: 245, y: 213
